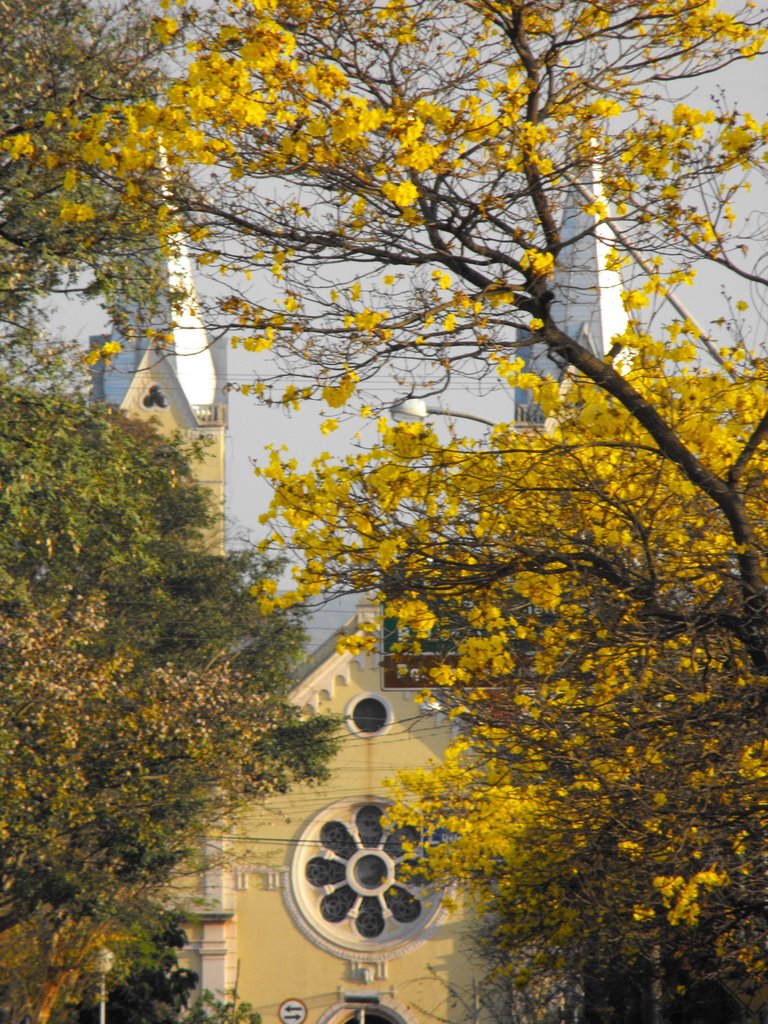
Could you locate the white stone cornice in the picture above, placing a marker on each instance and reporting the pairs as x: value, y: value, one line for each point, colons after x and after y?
x: 332, y: 672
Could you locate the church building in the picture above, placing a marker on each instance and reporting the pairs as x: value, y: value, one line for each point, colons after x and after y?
x: 310, y: 912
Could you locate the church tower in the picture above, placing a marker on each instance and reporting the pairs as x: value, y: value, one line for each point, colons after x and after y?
x: 177, y: 382
x: 587, y: 301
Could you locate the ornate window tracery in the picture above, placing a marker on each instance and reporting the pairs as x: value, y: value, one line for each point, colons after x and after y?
x: 353, y: 879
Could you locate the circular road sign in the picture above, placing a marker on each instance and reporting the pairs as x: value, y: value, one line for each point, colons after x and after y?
x: 292, y: 1011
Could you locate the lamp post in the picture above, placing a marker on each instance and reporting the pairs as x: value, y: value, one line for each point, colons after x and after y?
x: 415, y: 410
x: 105, y: 960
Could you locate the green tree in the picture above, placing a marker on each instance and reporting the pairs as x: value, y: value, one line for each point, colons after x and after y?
x: 156, y: 990
x: 64, y: 226
x: 209, y: 1010
x: 137, y: 712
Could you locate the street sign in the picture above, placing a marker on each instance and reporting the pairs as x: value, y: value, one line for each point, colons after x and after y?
x: 292, y: 1011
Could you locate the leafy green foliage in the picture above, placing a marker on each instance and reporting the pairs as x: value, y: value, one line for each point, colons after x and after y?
x: 64, y: 226
x: 209, y: 1010
x: 143, y: 698
x: 156, y: 991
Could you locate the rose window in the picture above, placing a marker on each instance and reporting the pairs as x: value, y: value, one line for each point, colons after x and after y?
x: 355, y: 882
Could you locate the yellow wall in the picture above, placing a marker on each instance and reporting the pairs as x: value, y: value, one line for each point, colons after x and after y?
x: 204, y: 423
x: 272, y: 949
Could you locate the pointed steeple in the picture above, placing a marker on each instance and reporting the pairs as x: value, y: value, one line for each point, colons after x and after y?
x: 191, y: 351
x: 587, y: 302
x: 178, y: 382
x: 197, y: 371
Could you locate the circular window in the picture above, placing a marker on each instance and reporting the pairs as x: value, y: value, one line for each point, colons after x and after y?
x: 353, y: 879
x: 369, y: 715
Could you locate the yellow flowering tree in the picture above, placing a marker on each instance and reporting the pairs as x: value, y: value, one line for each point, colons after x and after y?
x: 599, y: 588
x: 606, y: 799
x: 401, y: 171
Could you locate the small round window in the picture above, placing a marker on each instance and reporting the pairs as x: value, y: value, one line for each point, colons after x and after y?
x: 370, y: 715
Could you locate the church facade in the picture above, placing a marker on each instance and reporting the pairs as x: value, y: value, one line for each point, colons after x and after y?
x: 309, y: 912
x: 314, y: 915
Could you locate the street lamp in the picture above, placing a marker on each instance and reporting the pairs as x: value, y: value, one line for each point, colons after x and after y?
x: 415, y: 410
x: 104, y: 962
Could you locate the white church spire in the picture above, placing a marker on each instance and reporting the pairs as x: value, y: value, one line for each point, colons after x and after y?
x: 166, y: 355
x: 587, y: 303
x: 191, y: 350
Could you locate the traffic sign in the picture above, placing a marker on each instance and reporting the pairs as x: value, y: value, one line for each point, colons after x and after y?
x: 292, y: 1011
